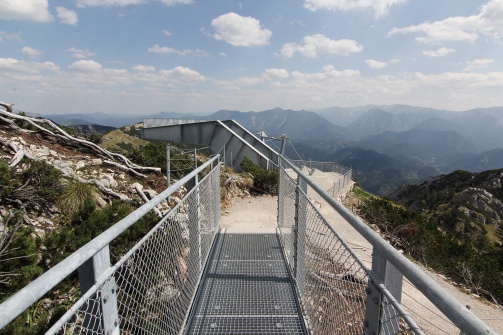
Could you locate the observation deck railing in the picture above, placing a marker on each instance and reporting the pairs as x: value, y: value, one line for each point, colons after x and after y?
x: 345, y: 172
x: 151, y: 288
x: 339, y: 294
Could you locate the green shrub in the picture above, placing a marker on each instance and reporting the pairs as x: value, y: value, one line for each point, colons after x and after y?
x: 44, y: 179
x: 89, y: 222
x: 263, y: 180
x: 75, y: 194
x: 5, y: 187
x: 154, y: 154
x: 19, y: 262
x: 441, y: 250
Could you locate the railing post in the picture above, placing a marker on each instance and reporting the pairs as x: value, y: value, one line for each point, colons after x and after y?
x: 392, y: 280
x: 168, y: 165
x: 300, y: 233
x: 195, y: 223
x: 281, y: 195
x: 103, y: 318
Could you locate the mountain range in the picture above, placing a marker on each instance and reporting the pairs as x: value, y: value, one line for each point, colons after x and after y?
x: 386, y: 145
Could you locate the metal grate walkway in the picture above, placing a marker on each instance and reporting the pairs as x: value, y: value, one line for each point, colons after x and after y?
x: 247, y: 289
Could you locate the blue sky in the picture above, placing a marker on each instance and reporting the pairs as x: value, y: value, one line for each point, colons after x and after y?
x: 200, y: 56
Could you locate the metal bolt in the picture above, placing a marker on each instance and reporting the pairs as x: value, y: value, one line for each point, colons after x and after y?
x: 368, y: 290
x: 375, y: 300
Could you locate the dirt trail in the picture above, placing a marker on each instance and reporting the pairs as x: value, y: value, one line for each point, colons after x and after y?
x: 257, y: 214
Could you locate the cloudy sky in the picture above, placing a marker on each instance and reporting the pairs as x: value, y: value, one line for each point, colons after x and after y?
x: 200, y: 56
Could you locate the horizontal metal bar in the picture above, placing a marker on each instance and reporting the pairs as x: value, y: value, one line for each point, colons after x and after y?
x: 453, y: 309
x: 316, y: 162
x: 375, y: 279
x: 32, y: 292
x: 54, y: 329
x: 251, y: 147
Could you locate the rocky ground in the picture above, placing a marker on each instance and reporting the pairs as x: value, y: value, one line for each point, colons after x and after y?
x: 81, y: 164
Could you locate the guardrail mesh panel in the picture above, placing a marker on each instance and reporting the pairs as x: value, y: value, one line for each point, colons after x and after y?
x: 331, y: 279
x: 286, y: 216
x: 155, y: 284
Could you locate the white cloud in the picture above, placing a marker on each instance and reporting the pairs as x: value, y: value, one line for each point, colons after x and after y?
x: 186, y: 52
x: 14, y: 65
x: 274, y: 74
x: 166, y: 32
x: 223, y: 54
x: 78, y: 53
x: 380, y: 7
x: 31, y: 10
x: 182, y: 74
x: 319, y: 44
x: 143, y: 68
x: 438, y: 53
x: 144, y: 86
x: 9, y: 37
x: 30, y: 52
x: 238, y: 30
x: 108, y: 3
x: 67, y: 16
x: 478, y: 64
x: 86, y: 65
x: 488, y: 22
x: 176, y: 2
x: 373, y: 64
x: 123, y: 3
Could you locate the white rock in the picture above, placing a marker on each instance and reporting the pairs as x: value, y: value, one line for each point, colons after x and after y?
x: 80, y: 165
x: 105, y: 182
x: 150, y: 193
x: 134, y: 186
x: 112, y: 181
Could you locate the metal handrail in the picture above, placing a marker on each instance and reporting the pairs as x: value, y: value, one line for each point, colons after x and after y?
x: 19, y: 302
x: 373, y: 277
x: 463, y: 318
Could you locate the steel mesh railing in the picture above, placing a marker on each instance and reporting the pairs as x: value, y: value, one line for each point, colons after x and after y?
x: 154, y: 284
x: 332, y: 281
x: 339, y: 293
x: 150, y: 290
x: 346, y: 174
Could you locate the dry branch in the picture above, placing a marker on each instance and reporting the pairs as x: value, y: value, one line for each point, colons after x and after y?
x: 145, y: 199
x: 60, y: 133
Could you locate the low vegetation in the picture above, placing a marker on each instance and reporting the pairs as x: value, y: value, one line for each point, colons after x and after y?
x: 471, y: 260
x: 264, y: 181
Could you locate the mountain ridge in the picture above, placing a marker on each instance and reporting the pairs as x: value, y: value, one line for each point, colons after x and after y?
x: 425, y: 141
